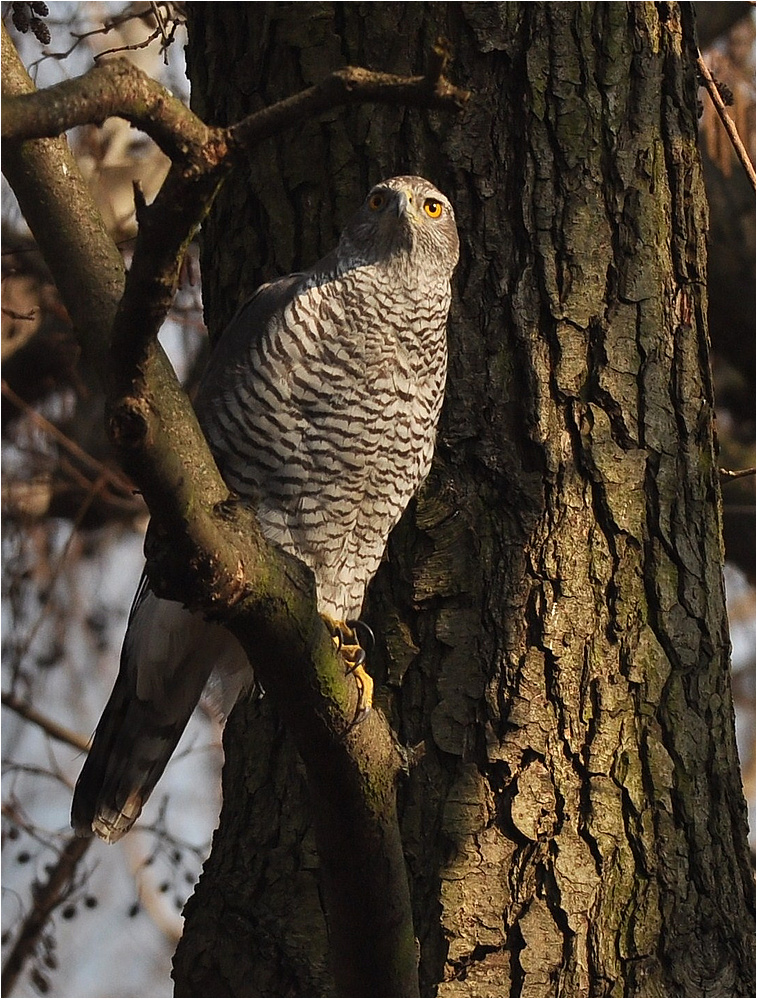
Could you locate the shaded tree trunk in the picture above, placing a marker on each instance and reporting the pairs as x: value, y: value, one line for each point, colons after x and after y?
x: 550, y: 617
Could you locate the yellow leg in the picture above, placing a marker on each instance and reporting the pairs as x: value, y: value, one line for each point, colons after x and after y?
x: 348, y: 645
x: 365, y: 697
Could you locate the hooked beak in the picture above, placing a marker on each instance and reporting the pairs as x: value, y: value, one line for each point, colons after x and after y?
x: 404, y: 203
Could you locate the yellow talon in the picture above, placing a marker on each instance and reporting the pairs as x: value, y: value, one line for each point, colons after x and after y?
x: 365, y: 695
x: 348, y: 646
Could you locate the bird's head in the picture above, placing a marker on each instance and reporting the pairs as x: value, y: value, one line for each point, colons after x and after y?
x: 404, y: 220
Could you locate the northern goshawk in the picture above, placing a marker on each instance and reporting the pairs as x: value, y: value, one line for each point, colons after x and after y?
x: 320, y: 404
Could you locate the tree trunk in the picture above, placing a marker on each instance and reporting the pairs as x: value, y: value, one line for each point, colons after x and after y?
x: 550, y: 619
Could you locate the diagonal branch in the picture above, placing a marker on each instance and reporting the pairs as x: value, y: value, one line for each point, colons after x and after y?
x: 267, y: 599
x: 122, y: 89
x: 49, y: 895
x: 728, y: 122
x: 117, y: 87
x: 52, y: 728
x: 111, y: 475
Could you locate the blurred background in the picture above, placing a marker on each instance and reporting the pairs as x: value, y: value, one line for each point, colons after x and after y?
x: 72, y: 528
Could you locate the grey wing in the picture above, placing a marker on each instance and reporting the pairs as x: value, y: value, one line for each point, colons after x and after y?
x: 249, y: 323
x: 168, y: 652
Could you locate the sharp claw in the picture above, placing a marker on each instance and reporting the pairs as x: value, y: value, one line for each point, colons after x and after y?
x: 360, y: 715
x: 355, y: 659
x: 365, y: 694
x: 348, y: 637
x: 363, y: 633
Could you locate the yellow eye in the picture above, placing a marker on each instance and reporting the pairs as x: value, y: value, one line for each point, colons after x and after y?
x: 376, y: 201
x: 432, y: 208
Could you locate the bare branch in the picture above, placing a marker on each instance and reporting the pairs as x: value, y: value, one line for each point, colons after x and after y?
x: 80, y: 36
x: 117, y: 21
x: 350, y: 85
x: 161, y: 24
x: 712, y: 89
x: 47, y: 898
x: 727, y: 475
x: 120, y: 88
x: 52, y: 728
x: 111, y: 475
x: 87, y: 501
x: 117, y: 87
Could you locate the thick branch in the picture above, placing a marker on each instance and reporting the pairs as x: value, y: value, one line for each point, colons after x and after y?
x: 264, y: 597
x: 119, y: 88
x: 70, y: 232
x: 350, y: 85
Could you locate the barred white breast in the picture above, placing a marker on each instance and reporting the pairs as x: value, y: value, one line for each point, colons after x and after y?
x: 320, y: 403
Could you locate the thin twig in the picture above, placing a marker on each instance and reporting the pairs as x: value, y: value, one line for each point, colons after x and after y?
x: 111, y: 25
x: 79, y: 37
x: 166, y: 919
x: 47, y: 898
x: 728, y: 123
x: 155, y: 7
x: 117, y: 479
x: 129, y: 505
x: 15, y: 813
x: 133, y: 47
x: 729, y: 475
x: 53, y: 773
x: 86, y: 503
x: 52, y: 728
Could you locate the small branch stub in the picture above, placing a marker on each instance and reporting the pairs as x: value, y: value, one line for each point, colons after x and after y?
x: 730, y: 475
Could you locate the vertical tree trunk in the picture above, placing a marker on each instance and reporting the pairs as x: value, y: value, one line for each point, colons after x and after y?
x: 551, y: 628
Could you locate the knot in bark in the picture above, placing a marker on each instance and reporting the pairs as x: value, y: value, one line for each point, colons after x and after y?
x: 128, y: 423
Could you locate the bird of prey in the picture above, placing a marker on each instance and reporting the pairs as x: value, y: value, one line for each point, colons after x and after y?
x: 320, y: 404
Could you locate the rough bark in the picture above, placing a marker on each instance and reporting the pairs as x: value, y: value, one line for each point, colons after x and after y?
x: 550, y: 619
x: 55, y: 202
x: 205, y: 549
